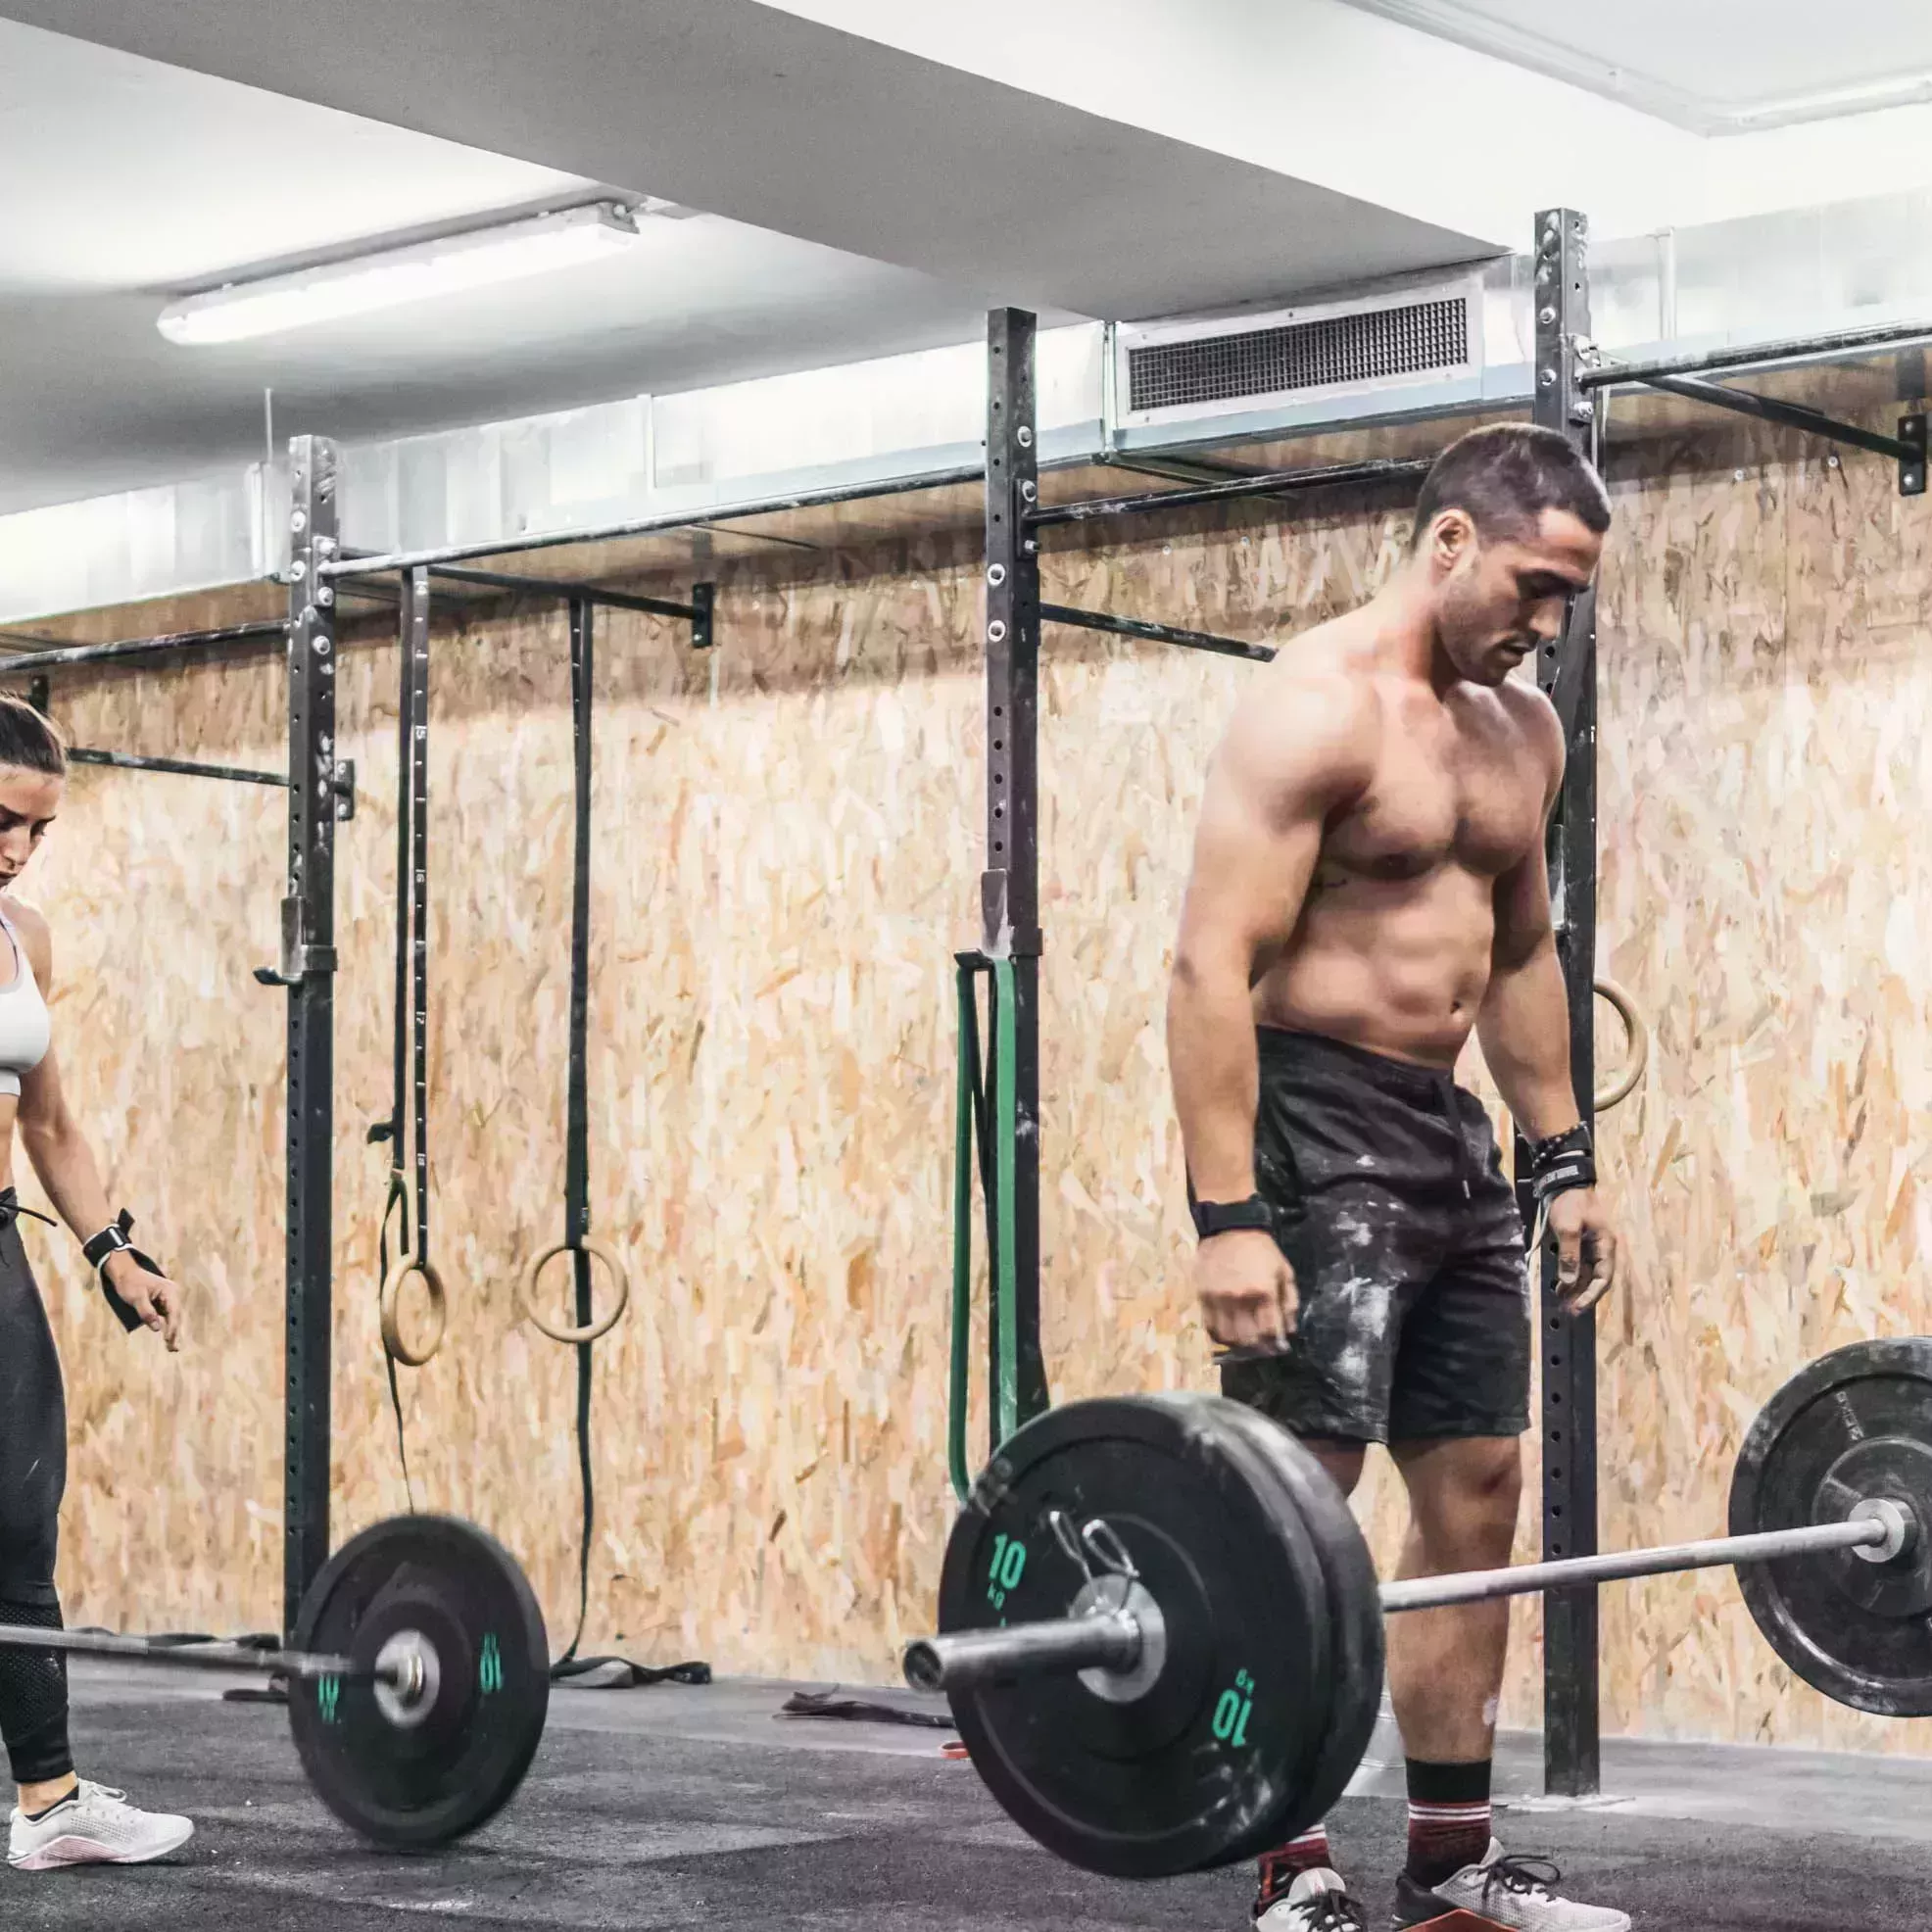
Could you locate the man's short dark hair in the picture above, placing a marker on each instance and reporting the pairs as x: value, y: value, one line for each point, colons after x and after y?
x: 1505, y: 476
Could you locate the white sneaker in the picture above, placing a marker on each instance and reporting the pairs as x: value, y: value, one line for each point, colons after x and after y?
x: 95, y: 1827
x: 1317, y: 1902
x: 1511, y: 1893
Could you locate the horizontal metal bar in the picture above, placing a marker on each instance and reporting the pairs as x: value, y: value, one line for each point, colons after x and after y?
x: 1185, y: 469
x: 182, y: 767
x: 710, y: 515
x: 1761, y: 355
x: 1105, y: 1642
x: 306, y: 1664
x: 138, y: 647
x: 563, y: 589
x: 1528, y: 1578
x: 1112, y: 1640
x: 1258, y: 483
x: 1100, y: 620
x: 1792, y: 416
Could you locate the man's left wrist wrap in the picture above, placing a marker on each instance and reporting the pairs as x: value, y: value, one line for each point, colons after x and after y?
x: 1561, y: 1163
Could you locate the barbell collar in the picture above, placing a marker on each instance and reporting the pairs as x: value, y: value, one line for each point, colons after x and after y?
x: 306, y: 1665
x: 1105, y: 1642
x: 1888, y: 1523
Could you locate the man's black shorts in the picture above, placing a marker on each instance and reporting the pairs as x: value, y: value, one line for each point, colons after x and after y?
x: 1387, y: 1192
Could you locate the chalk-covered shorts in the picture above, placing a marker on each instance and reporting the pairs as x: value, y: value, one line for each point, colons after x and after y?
x: 1388, y: 1197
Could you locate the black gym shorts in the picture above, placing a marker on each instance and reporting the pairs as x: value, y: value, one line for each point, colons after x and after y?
x: 1386, y: 1188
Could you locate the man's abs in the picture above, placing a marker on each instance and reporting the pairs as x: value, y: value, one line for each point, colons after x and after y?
x: 1397, y: 966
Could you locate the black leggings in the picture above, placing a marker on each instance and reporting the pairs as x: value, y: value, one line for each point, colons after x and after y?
x: 32, y: 1478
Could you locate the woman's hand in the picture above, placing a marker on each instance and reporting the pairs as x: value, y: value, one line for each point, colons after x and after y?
x: 152, y: 1297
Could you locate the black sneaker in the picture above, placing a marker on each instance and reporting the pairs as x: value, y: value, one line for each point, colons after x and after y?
x: 1501, y: 1894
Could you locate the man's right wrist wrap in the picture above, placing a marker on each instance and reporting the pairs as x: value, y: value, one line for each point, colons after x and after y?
x: 1563, y: 1162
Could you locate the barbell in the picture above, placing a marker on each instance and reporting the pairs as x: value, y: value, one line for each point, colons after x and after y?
x: 417, y: 1682
x: 1161, y: 1634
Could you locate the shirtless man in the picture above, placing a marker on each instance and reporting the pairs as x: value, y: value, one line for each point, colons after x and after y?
x: 1369, y: 887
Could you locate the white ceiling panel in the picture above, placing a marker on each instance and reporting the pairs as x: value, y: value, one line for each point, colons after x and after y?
x: 1717, y: 65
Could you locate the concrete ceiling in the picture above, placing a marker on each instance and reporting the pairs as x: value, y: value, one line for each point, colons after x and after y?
x: 858, y: 200
x: 757, y: 114
x: 871, y: 176
x: 132, y: 181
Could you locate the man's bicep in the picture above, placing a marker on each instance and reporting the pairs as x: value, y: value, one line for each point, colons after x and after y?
x: 1522, y: 894
x: 1522, y: 909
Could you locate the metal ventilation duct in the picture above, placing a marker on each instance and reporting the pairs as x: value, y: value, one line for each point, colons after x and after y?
x: 1350, y: 349
x: 1172, y: 371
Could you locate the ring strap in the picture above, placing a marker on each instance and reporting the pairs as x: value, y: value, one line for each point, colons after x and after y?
x: 577, y: 1116
x: 417, y: 667
x: 407, y: 1207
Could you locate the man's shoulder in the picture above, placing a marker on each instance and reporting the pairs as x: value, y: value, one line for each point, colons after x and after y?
x: 1528, y: 710
x: 1311, y: 719
x: 1326, y: 675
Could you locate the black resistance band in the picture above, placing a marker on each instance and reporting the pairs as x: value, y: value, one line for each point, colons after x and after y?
x: 587, y: 1673
x: 577, y: 1111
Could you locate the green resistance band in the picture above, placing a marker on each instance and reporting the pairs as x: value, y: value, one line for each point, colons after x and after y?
x: 1005, y: 1236
x: 971, y: 1107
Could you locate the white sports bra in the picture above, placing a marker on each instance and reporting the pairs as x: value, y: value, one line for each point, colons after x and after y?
x: 25, y: 1030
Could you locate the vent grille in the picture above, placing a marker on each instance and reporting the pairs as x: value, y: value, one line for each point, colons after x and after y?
x: 1338, y: 349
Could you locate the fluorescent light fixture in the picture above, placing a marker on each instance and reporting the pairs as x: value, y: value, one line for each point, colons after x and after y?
x: 452, y: 264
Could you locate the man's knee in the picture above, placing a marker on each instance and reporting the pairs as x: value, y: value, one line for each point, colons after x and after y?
x: 1493, y: 1478
x: 1342, y: 1457
x: 1465, y: 1496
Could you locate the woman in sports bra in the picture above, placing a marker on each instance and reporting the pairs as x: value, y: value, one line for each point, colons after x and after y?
x: 60, y: 1820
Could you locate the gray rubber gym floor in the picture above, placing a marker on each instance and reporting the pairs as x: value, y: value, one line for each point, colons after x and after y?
x: 677, y: 1807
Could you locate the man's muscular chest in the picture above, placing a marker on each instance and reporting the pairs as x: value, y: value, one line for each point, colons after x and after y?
x: 1446, y: 791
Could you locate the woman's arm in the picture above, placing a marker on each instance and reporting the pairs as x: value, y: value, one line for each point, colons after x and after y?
x: 59, y: 1154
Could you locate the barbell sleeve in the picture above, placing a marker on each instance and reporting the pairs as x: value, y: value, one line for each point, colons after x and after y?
x: 306, y: 1665
x: 1107, y: 1640
x: 1528, y: 1578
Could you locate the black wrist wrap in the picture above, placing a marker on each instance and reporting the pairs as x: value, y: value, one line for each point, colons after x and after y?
x: 1563, y: 1162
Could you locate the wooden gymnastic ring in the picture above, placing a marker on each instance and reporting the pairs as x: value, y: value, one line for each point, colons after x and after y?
x: 390, y: 1304
x: 526, y: 1293
x: 1638, y: 1038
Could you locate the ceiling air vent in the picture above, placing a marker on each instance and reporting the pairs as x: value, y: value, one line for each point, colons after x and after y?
x: 1210, y: 369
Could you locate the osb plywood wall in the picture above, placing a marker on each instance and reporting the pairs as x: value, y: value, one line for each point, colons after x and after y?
x: 787, y: 857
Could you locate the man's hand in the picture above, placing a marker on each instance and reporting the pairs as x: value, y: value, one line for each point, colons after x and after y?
x: 1247, y: 1288
x: 152, y: 1297
x: 1586, y: 1249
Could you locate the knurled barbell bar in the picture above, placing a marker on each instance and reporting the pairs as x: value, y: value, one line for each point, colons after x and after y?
x: 418, y: 1679
x: 1161, y: 1630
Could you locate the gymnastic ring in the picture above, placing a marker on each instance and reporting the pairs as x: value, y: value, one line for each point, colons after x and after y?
x: 390, y: 1303
x: 526, y: 1293
x: 1637, y: 1038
